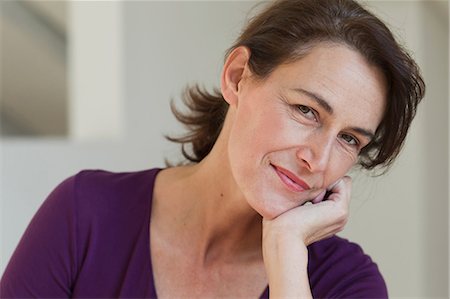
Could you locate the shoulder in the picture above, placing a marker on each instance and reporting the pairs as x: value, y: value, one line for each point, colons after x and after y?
x: 335, y: 249
x: 109, y: 183
x: 339, y: 268
x: 106, y: 182
x: 104, y: 193
x: 91, y: 225
x: 99, y: 198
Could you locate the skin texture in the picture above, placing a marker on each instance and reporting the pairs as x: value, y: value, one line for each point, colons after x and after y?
x: 248, y: 215
x: 270, y: 128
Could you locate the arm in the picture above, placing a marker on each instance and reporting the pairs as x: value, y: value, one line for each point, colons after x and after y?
x: 286, y: 262
x: 286, y: 237
x: 43, y: 264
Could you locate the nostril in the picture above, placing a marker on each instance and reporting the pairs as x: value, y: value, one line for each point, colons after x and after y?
x: 304, y: 156
x: 306, y: 164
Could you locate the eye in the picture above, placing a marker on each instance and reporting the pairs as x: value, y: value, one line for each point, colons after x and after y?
x: 307, y: 112
x: 349, y: 139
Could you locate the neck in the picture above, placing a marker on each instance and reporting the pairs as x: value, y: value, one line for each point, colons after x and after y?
x: 200, y: 208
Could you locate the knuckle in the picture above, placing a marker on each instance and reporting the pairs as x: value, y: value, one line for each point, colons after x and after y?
x: 342, y: 215
x: 347, y: 181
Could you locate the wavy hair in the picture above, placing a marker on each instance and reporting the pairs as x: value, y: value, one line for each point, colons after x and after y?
x: 284, y: 32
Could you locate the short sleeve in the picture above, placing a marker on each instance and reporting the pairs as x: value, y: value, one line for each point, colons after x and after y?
x: 340, y: 269
x: 362, y: 279
x: 44, y: 262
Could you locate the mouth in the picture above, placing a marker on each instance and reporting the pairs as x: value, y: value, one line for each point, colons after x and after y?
x: 290, y: 180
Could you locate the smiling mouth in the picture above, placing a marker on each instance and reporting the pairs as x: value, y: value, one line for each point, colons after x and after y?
x: 290, y: 180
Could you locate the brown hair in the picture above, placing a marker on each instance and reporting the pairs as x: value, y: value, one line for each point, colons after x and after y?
x: 284, y: 32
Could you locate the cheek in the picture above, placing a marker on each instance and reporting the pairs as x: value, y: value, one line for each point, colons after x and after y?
x: 279, y: 132
x: 257, y: 132
x: 340, y: 165
x: 254, y: 135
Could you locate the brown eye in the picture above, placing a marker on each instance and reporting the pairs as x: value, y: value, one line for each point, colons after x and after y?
x: 307, y: 112
x: 349, y: 139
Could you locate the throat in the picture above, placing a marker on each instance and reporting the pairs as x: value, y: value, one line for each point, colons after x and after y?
x: 212, y: 220
x: 232, y: 279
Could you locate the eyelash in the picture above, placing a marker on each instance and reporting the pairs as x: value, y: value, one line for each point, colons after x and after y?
x: 304, y: 110
x: 301, y: 109
x: 353, y: 138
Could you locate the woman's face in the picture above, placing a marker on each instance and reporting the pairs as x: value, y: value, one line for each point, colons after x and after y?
x: 301, y: 129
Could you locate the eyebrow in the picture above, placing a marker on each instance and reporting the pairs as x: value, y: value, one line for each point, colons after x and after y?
x: 324, y: 104
x: 317, y: 98
x: 369, y: 134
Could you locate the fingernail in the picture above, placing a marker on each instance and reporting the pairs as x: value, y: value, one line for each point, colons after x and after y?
x: 319, y: 197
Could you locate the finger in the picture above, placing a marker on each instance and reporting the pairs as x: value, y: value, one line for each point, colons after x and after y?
x: 319, y: 197
x: 341, y: 190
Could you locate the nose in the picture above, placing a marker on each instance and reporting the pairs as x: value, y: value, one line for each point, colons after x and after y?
x: 315, y: 153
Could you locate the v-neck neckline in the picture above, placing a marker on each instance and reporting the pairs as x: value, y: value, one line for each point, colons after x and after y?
x: 153, y: 294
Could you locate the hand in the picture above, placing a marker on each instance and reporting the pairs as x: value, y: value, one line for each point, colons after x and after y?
x: 285, y: 239
x: 313, y: 222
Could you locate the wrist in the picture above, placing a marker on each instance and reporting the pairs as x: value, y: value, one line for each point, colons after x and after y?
x: 276, y: 232
x: 286, y: 261
x: 284, y: 249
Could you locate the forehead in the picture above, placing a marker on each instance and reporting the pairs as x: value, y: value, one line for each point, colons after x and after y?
x: 342, y: 77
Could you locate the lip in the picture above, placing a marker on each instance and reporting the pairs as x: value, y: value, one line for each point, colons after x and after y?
x: 292, y: 181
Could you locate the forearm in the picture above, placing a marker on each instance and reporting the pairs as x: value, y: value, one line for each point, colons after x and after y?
x: 286, y: 261
x: 286, y: 237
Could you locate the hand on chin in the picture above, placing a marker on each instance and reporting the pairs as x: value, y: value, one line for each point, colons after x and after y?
x: 308, y: 223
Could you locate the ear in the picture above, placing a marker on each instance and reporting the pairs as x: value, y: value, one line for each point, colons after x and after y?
x: 233, y: 72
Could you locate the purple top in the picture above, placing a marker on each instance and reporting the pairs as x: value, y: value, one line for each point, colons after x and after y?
x: 90, y: 239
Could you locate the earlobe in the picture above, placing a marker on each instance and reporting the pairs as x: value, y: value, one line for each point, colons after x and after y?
x: 233, y: 72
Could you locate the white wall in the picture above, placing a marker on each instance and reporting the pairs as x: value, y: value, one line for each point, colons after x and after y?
x: 399, y: 219
x: 95, y: 70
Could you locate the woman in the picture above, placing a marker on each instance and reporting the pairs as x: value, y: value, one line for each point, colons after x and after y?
x: 310, y: 89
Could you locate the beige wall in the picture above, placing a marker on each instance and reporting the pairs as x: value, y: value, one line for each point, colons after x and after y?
x: 400, y: 219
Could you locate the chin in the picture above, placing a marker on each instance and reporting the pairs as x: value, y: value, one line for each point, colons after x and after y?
x: 271, y: 209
